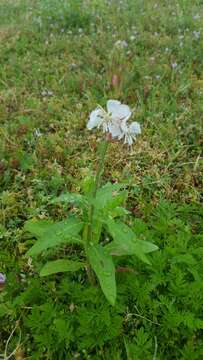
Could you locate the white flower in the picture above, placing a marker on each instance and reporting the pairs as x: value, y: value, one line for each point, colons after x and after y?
x: 115, y: 113
x: 131, y: 132
x: 124, y: 131
x: 117, y: 110
x: 119, y: 128
x: 37, y: 133
x: 196, y: 17
x: 196, y: 34
x: 174, y: 65
x: 121, y: 44
x: 132, y: 37
x: 97, y: 118
x: 47, y: 93
x: 114, y: 121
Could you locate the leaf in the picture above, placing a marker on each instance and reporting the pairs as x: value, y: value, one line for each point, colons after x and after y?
x: 126, y: 243
x: 97, y: 223
x: 5, y: 309
x: 118, y: 212
x: 36, y: 227
x: 2, y: 231
x: 87, y: 184
x: 51, y: 234
x: 72, y: 198
x: 102, y: 264
x: 107, y: 196
x: 62, y: 265
x: 117, y: 199
x: 101, y: 147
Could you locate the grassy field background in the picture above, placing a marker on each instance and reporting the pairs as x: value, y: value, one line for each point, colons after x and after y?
x: 58, y: 60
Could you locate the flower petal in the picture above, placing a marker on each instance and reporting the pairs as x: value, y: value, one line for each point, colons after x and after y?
x: 117, y: 110
x: 121, y: 112
x: 96, y: 119
x: 128, y: 139
x: 115, y: 131
x: 135, y: 128
x: 112, y: 104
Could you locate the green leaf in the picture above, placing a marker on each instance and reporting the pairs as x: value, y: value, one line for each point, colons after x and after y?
x: 62, y: 265
x: 2, y: 231
x: 126, y: 243
x: 101, y: 147
x: 87, y: 184
x: 107, y: 196
x: 102, y: 264
x: 38, y: 227
x: 118, y: 212
x: 97, y: 227
x: 5, y: 309
x: 71, y: 198
x: 51, y: 234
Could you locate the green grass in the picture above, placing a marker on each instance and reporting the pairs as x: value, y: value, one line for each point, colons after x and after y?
x: 68, y: 48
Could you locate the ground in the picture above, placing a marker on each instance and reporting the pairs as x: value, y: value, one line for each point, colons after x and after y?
x: 59, y: 59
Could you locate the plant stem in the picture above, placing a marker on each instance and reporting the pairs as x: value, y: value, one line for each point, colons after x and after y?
x: 100, y: 168
x: 96, y: 186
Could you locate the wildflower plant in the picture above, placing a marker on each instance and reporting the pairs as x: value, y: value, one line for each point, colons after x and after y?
x: 99, y: 229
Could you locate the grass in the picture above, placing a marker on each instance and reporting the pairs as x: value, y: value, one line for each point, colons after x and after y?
x: 59, y: 59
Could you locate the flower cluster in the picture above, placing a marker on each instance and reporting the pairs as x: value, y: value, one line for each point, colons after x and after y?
x: 114, y: 121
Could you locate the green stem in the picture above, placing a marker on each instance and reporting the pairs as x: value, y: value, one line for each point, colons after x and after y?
x: 100, y: 167
x: 91, y: 211
x: 96, y: 186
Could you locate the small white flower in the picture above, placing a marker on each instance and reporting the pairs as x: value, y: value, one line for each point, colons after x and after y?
x: 196, y: 34
x: 129, y: 132
x: 121, y: 44
x: 174, y: 65
x: 72, y: 66
x: 196, y: 17
x: 132, y: 37
x: 114, y: 121
x: 47, y: 93
x: 37, y: 133
x: 115, y: 112
x: 97, y: 118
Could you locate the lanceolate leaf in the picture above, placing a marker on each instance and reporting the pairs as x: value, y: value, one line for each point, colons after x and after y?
x: 104, y: 268
x: 70, y: 198
x: 62, y: 265
x: 107, y: 196
x: 118, y: 212
x: 38, y: 227
x: 121, y: 249
x: 126, y: 243
x: 50, y: 234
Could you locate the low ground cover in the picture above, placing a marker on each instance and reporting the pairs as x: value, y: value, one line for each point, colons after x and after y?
x: 59, y: 59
